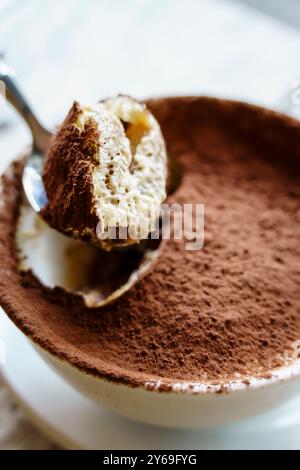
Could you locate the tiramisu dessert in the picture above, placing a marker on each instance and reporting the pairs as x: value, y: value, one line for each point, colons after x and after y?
x: 106, y: 172
x: 228, y: 312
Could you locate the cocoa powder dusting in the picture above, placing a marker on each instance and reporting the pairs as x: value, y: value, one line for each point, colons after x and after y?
x: 231, y: 308
x: 67, y: 177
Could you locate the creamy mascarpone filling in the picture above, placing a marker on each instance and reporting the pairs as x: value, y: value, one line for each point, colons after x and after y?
x: 129, y: 179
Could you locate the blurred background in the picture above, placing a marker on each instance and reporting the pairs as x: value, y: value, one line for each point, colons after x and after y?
x: 86, y: 50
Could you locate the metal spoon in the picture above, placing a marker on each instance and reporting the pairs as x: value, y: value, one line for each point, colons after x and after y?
x: 32, y: 179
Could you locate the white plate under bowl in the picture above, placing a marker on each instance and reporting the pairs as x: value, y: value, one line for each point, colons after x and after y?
x: 75, y: 422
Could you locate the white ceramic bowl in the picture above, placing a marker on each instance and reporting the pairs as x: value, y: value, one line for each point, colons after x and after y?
x: 168, y: 402
x: 186, y: 404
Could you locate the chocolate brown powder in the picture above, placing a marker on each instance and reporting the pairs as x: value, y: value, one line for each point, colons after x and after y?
x: 68, y: 179
x: 231, y: 308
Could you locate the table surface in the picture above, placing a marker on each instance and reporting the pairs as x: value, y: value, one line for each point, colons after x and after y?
x: 67, y: 50
x: 16, y: 432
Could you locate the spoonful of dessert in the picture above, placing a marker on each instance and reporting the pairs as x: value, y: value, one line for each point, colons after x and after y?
x: 102, y: 177
x: 105, y: 173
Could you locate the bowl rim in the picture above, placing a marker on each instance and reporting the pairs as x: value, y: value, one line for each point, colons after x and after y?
x: 276, y: 376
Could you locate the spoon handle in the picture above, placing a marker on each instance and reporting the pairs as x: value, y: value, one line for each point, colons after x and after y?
x: 14, y: 96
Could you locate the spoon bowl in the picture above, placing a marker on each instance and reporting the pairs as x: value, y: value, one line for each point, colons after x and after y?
x: 32, y: 181
x: 32, y: 175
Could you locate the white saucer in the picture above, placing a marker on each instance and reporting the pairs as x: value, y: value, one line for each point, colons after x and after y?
x: 75, y: 422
